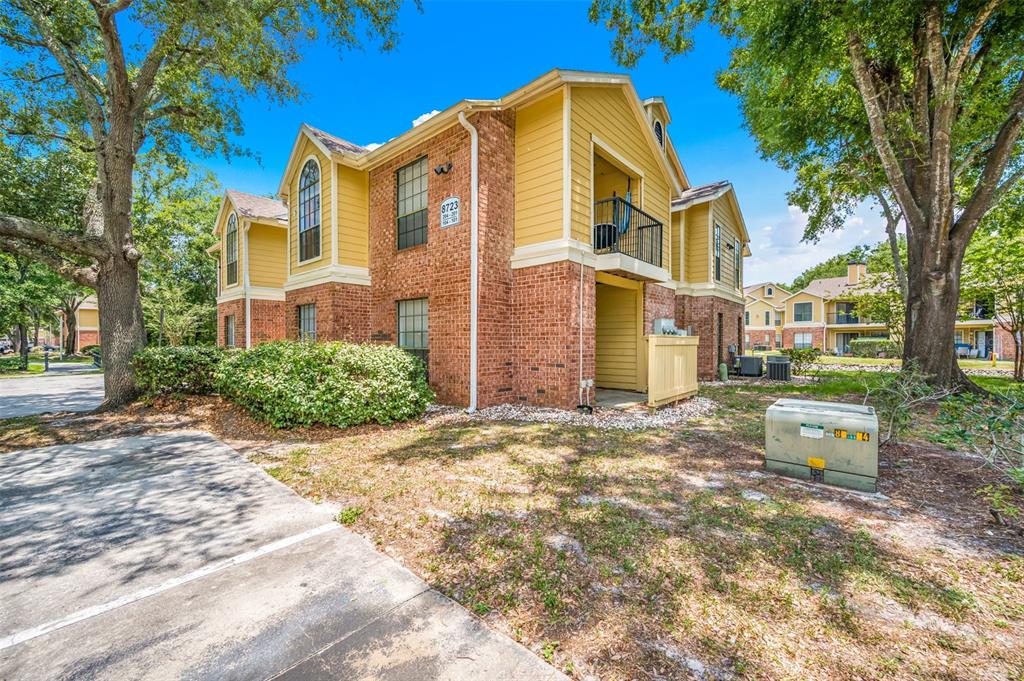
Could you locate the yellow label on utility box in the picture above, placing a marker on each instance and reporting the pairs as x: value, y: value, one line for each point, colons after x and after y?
x: 815, y: 462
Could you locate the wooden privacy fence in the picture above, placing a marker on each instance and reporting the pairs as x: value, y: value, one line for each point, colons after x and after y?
x: 671, y: 368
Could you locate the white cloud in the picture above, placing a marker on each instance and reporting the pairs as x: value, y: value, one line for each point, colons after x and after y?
x: 423, y: 118
x: 779, y: 254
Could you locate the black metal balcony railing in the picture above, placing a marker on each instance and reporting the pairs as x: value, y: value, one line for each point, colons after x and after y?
x: 843, y: 318
x: 621, y: 227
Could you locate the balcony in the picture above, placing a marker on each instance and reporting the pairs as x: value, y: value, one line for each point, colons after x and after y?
x: 844, y: 318
x: 622, y: 228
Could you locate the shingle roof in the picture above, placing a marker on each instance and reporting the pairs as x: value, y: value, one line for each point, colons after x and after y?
x: 336, y: 143
x: 252, y: 206
x: 701, y: 193
x: 837, y: 287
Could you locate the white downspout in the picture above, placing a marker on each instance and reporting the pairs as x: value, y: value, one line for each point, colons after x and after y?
x: 245, y: 287
x: 474, y: 247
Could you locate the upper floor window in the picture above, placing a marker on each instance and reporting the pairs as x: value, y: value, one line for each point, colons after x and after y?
x: 659, y: 133
x: 746, y: 317
x: 778, y: 319
x: 309, y: 211
x: 718, y: 253
x: 802, y: 312
x: 231, y: 250
x: 411, y: 182
x: 738, y: 264
x: 767, y: 318
x: 307, y: 322
x: 769, y: 291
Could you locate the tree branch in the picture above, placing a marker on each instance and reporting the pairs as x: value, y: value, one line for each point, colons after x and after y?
x: 76, y: 274
x: 961, y: 55
x: 891, y: 220
x: 47, y: 135
x: 879, y: 134
x: 29, y: 230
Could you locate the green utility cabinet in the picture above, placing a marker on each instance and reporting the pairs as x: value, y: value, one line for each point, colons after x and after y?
x: 829, y: 442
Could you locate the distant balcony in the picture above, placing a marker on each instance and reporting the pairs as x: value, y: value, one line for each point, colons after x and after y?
x: 845, y: 318
x: 621, y: 227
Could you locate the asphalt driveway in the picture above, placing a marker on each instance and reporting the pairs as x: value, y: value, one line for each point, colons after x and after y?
x: 171, y: 557
x: 40, y: 394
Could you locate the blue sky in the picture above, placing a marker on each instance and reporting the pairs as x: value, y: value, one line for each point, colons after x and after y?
x: 456, y: 50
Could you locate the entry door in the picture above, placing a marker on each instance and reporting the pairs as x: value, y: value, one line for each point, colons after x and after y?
x: 617, y: 341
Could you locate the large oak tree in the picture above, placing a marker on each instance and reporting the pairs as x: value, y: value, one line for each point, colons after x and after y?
x: 933, y: 89
x: 110, y: 77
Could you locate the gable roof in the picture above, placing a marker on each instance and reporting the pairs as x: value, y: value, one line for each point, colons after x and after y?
x: 832, y: 288
x: 701, y: 194
x: 256, y: 207
x: 353, y: 155
x: 753, y: 287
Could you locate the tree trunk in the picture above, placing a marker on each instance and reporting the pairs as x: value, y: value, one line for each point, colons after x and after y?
x: 23, y: 345
x: 122, y: 333
x: 70, y: 331
x: 1018, y: 357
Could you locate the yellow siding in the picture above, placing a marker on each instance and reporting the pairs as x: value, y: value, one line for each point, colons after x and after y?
x: 757, y: 310
x: 88, y: 318
x: 804, y: 298
x: 760, y: 292
x: 309, y: 149
x: 539, y: 171
x: 677, y: 227
x: 727, y: 220
x: 605, y: 113
x: 353, y: 217
x: 698, y: 239
x: 267, y: 245
x: 617, y: 365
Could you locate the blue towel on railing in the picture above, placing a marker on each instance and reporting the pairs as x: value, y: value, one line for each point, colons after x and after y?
x: 623, y: 220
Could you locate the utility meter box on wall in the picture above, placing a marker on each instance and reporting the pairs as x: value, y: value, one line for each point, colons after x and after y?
x: 831, y: 442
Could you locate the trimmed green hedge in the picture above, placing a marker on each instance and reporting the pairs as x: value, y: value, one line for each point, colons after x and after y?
x: 183, y: 370
x: 291, y: 384
x: 11, y: 364
x: 872, y: 347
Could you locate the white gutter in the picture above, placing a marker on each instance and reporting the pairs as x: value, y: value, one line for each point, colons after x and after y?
x: 245, y: 286
x: 474, y: 247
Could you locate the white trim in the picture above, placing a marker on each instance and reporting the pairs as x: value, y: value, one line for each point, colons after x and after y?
x: 678, y: 205
x: 298, y: 247
x: 238, y: 259
x: 474, y: 249
x: 334, y: 274
x: 604, y: 146
x: 245, y: 287
x: 617, y: 262
x: 801, y: 325
x: 702, y: 289
x: 255, y: 292
x: 335, y: 227
x: 567, y: 163
x: 556, y: 250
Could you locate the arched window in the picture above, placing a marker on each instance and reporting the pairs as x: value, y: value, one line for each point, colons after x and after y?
x: 309, y: 211
x: 231, y: 250
x: 659, y: 133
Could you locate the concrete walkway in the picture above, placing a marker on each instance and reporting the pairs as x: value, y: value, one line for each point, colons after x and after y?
x: 171, y: 557
x: 42, y: 393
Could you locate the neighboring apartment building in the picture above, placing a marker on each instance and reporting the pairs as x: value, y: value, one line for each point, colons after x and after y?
x: 87, y: 324
x: 824, y: 315
x: 566, y: 202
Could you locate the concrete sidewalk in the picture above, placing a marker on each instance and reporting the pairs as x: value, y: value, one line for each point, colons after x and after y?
x: 42, y: 393
x: 171, y: 557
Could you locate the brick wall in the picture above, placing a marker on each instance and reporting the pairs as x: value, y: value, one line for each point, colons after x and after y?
x: 1004, y: 343
x: 701, y: 312
x: 439, y: 269
x: 817, y: 336
x: 342, y: 311
x: 766, y: 338
x: 232, y: 307
x: 659, y: 303
x: 87, y: 338
x: 268, y: 321
x: 546, y: 333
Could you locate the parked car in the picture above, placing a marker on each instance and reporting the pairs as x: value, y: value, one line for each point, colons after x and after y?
x: 6, y: 347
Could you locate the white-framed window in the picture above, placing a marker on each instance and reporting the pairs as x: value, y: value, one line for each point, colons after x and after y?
x: 659, y: 133
x: 309, y: 211
x: 803, y: 340
x: 411, y: 205
x: 738, y: 261
x: 414, y: 328
x: 746, y: 317
x: 778, y: 319
x: 767, y: 318
x: 229, y: 331
x: 803, y: 312
x: 231, y: 250
x: 307, y: 322
x: 769, y: 292
x: 718, y: 253
x: 778, y: 339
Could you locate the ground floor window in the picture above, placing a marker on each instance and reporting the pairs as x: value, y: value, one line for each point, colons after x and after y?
x: 802, y: 341
x: 307, y: 322
x: 778, y: 340
x: 413, y: 328
x: 229, y: 331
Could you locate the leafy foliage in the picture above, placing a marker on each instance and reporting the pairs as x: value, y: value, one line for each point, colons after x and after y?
x: 8, y: 364
x: 186, y: 370
x: 338, y: 384
x: 896, y: 395
x: 991, y: 428
x: 873, y: 347
x: 801, y: 359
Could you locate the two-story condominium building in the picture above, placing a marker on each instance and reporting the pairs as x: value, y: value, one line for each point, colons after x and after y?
x: 824, y: 315
x: 522, y: 246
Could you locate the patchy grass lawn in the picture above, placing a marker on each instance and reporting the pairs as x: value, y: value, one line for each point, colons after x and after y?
x: 669, y: 554
x: 661, y: 553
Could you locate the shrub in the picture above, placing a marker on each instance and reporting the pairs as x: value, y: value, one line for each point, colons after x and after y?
x: 801, y: 358
x: 873, y: 347
x: 187, y: 369
x: 88, y: 349
x: 291, y: 384
x: 11, y: 364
